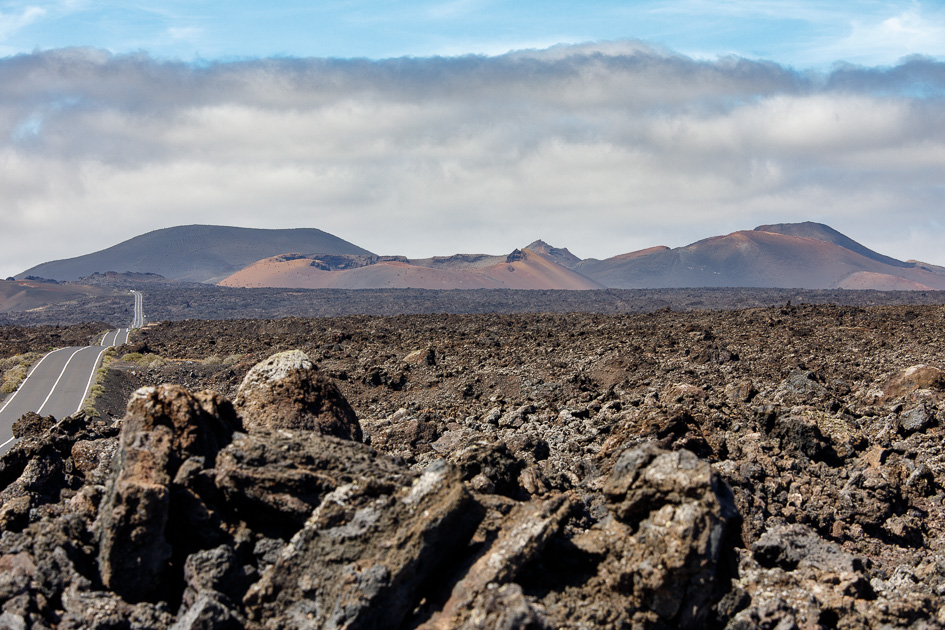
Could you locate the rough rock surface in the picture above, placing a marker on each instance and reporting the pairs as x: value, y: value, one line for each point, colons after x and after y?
x: 165, y: 431
x: 669, y: 540
x: 286, y: 392
x: 775, y: 467
x: 361, y: 558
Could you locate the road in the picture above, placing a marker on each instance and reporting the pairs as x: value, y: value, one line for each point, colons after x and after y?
x: 59, y: 383
x: 138, y: 320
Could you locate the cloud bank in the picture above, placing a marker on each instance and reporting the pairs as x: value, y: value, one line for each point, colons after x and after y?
x: 602, y: 148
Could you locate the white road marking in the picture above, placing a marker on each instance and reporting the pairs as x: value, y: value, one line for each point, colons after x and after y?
x: 137, y: 322
x: 61, y: 374
x: 88, y: 386
x: 20, y: 388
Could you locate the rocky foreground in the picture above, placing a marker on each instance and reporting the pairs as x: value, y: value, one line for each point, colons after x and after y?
x: 772, y: 468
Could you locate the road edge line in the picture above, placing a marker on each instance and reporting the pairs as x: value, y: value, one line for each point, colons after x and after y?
x: 88, y: 386
x: 20, y: 386
x: 56, y: 384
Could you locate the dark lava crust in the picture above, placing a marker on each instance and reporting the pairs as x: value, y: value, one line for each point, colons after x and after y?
x: 765, y: 467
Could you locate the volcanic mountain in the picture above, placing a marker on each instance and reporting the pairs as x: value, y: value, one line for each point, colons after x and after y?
x: 195, y: 253
x: 786, y: 255
x: 522, y: 269
x: 800, y: 255
x: 25, y: 295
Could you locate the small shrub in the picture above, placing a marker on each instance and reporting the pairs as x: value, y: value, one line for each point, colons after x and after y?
x: 89, y: 409
x: 98, y: 384
x: 144, y: 360
x: 15, y: 370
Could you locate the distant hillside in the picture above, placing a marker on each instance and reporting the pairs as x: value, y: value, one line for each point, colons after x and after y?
x: 519, y: 270
x: 195, y: 253
x: 821, y: 232
x: 560, y: 255
x: 26, y: 295
x: 763, y: 258
x: 784, y: 255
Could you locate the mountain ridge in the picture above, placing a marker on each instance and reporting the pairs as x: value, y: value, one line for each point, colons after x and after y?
x: 805, y: 255
x: 194, y: 253
x: 522, y: 269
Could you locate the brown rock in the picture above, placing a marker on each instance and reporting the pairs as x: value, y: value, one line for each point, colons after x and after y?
x: 365, y: 551
x: 795, y: 578
x: 740, y: 392
x: 425, y: 356
x: 670, y: 540
x: 521, y: 541
x: 162, y: 428
x: 911, y: 379
x: 32, y: 425
x: 278, y: 478
x: 92, y: 457
x: 286, y: 391
x: 505, y: 607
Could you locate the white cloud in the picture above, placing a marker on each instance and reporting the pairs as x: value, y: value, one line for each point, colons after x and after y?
x: 601, y: 153
x: 10, y: 24
x: 909, y: 31
x: 184, y: 33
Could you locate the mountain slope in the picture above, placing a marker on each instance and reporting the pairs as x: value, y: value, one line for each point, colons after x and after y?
x: 821, y: 232
x: 520, y: 270
x: 195, y: 253
x: 25, y: 295
x: 759, y: 258
x: 560, y: 255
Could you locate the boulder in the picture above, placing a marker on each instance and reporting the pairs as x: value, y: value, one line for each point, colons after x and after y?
x: 915, y: 419
x: 671, y: 539
x: 85, y: 609
x: 362, y: 556
x: 91, y: 458
x: 286, y: 391
x: 505, y: 607
x: 477, y: 597
x: 795, y: 578
x: 801, y: 387
x: 274, y: 479
x: 163, y: 427
x: 32, y: 424
x: 424, y: 356
x: 910, y: 380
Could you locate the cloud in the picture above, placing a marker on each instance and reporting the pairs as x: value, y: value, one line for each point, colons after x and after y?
x: 11, y: 24
x: 186, y: 33
x: 907, y: 32
x: 602, y: 148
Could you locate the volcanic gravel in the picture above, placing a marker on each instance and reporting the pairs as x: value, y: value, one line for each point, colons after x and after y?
x: 825, y: 421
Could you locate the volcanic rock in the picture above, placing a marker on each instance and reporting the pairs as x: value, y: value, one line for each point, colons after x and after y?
x: 363, y: 553
x: 275, y: 479
x: 522, y: 540
x: 163, y: 427
x: 32, y: 425
x: 601, y: 458
x: 911, y: 379
x: 670, y: 535
x: 286, y: 391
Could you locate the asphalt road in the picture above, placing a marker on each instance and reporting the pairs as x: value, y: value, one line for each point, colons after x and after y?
x: 59, y: 383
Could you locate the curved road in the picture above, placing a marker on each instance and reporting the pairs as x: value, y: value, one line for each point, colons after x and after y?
x: 59, y: 383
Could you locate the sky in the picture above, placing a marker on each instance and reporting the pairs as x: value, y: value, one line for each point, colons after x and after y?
x: 474, y: 126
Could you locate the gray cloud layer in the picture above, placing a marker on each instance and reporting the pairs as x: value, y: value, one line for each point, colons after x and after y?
x: 601, y: 148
